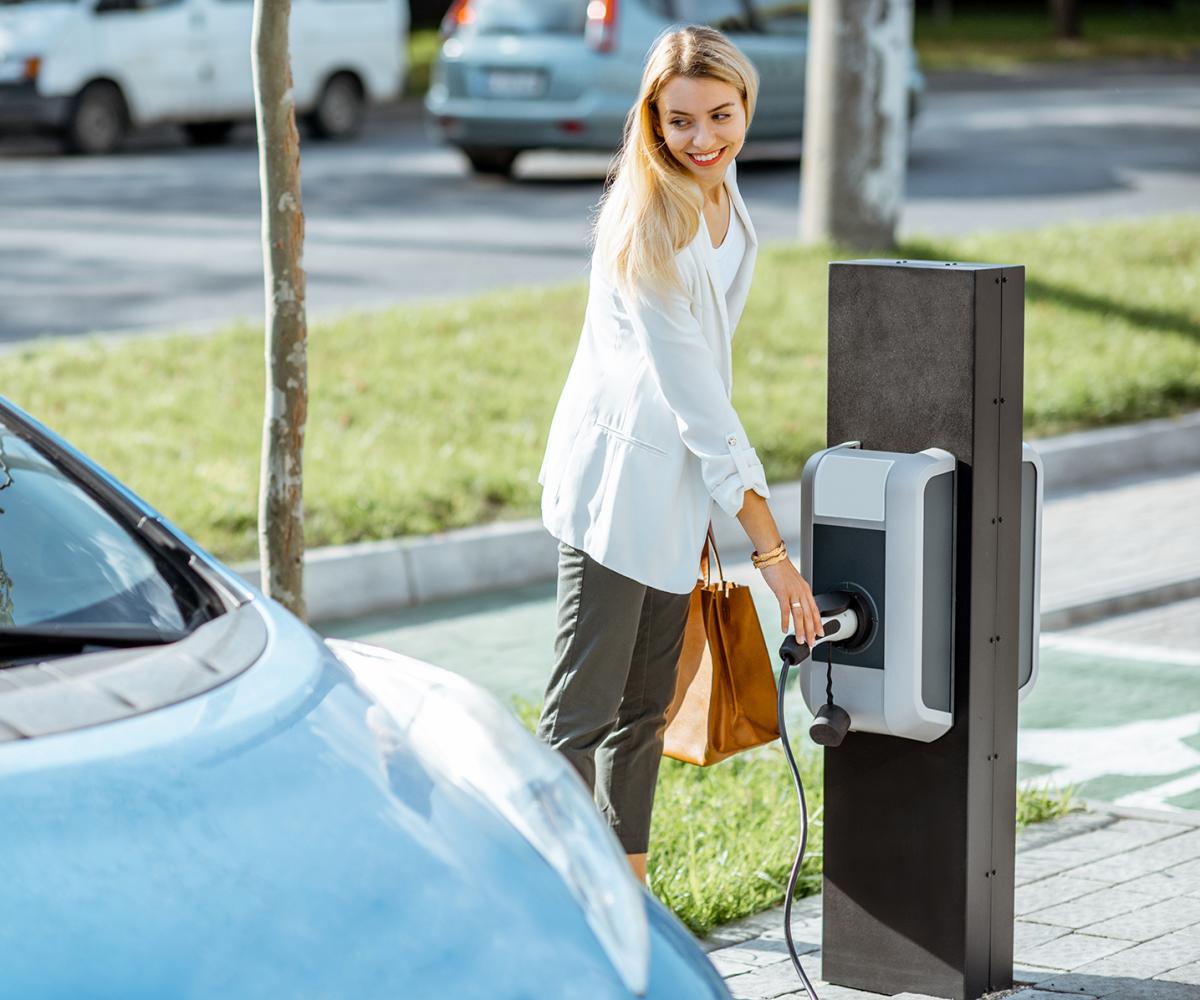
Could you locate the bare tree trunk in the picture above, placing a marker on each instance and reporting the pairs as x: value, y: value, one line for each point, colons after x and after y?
x: 281, y: 498
x: 855, y: 121
x: 1067, y: 18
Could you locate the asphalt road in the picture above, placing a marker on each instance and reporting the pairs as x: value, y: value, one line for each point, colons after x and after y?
x: 165, y: 237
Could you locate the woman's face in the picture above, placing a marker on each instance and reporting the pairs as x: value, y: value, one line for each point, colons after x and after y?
x: 703, y: 123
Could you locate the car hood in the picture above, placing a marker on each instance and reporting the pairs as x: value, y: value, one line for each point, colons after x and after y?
x: 266, y: 838
x: 29, y: 29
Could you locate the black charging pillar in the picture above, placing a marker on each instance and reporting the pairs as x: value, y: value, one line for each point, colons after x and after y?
x: 920, y: 837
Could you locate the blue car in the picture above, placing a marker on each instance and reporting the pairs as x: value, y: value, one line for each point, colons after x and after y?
x: 515, y: 75
x: 201, y: 797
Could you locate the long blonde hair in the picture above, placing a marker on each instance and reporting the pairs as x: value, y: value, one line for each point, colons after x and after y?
x: 651, y: 210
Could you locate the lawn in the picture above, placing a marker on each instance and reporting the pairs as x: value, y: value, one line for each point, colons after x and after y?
x: 431, y: 417
x: 1000, y: 41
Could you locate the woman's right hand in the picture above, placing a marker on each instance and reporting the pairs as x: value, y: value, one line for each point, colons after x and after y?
x: 796, y: 601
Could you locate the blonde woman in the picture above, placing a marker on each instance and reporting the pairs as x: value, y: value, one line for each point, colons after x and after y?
x: 645, y: 442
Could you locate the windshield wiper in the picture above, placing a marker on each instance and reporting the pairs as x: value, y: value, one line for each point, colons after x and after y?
x: 34, y: 640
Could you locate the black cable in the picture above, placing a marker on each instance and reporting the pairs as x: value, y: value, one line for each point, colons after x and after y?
x: 791, y: 886
x: 828, y: 673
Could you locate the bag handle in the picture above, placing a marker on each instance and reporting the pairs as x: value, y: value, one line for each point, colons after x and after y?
x: 705, y: 565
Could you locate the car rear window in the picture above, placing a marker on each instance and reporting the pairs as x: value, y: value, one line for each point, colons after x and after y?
x: 528, y: 17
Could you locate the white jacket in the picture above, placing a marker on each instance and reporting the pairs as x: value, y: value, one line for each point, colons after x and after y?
x: 645, y: 439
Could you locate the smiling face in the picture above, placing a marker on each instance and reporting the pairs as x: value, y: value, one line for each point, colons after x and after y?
x: 703, y: 122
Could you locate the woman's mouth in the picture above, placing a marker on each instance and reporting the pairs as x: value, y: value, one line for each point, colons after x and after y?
x: 707, y: 159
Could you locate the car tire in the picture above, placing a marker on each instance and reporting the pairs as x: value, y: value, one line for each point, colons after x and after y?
x: 493, y: 160
x: 208, y: 133
x: 97, y: 120
x: 340, y: 109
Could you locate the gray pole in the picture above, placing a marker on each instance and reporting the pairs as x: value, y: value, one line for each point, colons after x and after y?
x: 855, y: 121
x: 920, y: 837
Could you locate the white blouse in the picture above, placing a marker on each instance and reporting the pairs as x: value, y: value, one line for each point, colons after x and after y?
x: 729, y: 254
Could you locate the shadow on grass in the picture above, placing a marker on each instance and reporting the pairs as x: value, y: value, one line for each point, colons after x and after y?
x: 1157, y: 320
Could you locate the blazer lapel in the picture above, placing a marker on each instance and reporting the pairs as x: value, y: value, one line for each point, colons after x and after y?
x: 740, y: 289
x: 730, y: 308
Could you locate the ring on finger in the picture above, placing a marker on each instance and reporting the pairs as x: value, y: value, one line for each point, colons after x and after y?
x: 797, y: 604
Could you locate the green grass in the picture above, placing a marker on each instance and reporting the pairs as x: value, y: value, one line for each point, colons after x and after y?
x: 723, y: 838
x: 423, y: 46
x: 432, y: 417
x: 1000, y: 41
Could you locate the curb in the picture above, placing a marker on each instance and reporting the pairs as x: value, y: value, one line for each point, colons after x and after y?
x: 346, y: 581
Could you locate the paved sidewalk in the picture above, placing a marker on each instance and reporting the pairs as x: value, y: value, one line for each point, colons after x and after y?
x: 1108, y: 906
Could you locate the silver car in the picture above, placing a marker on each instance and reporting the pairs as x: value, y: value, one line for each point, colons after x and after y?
x: 514, y: 75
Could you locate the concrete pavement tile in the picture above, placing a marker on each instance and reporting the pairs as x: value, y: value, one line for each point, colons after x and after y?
x: 1154, y: 989
x: 1151, y: 921
x: 1150, y: 958
x: 1079, y: 984
x: 758, y: 952
x: 1026, y: 974
x: 1093, y: 908
x: 1189, y: 973
x: 1052, y: 890
x: 1027, y: 934
x: 1175, y: 850
x: 1048, y: 995
x: 1120, y: 868
x: 1063, y: 828
x: 1176, y: 880
x: 771, y: 981
x: 1072, y: 950
x: 727, y: 967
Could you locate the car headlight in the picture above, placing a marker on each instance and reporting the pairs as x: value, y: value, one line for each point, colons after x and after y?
x: 19, y: 69
x: 469, y: 738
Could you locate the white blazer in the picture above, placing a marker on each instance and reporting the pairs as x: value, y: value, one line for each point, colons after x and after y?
x: 645, y: 439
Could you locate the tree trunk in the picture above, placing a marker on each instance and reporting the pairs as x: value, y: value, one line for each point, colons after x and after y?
x: 281, y: 499
x: 855, y: 121
x: 1067, y: 18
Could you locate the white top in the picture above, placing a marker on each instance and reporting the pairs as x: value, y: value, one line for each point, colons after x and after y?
x: 729, y: 254
x: 645, y: 444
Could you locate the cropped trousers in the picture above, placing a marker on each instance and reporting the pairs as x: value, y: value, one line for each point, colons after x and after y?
x: 615, y: 653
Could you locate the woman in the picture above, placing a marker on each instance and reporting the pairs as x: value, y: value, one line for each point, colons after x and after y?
x: 644, y: 440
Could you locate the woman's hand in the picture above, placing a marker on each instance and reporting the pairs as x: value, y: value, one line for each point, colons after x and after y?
x: 796, y: 601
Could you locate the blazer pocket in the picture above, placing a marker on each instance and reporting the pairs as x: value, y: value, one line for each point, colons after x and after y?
x: 636, y: 442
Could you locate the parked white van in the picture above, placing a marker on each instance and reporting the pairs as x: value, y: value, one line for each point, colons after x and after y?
x: 92, y: 69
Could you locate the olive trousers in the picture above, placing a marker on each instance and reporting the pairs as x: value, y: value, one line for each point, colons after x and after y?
x: 615, y: 654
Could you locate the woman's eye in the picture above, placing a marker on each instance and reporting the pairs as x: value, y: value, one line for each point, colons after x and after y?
x: 723, y: 114
x: 678, y: 123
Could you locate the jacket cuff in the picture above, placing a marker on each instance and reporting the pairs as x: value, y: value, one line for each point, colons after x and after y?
x: 728, y: 477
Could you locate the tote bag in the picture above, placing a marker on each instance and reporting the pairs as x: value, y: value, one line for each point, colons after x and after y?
x: 724, y: 688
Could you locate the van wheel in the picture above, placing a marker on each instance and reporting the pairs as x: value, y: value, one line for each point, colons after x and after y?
x: 208, y: 133
x: 340, y: 109
x: 97, y: 121
x: 495, y: 160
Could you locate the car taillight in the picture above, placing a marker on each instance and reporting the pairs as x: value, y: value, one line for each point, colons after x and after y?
x: 601, y: 30
x: 460, y: 13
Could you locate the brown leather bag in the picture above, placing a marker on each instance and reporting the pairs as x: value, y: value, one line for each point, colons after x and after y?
x: 724, y: 688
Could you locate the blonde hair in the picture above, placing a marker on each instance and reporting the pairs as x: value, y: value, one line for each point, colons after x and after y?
x: 651, y: 209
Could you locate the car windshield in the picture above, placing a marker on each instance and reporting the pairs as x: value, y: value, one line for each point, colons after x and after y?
x: 66, y: 561
x: 527, y: 17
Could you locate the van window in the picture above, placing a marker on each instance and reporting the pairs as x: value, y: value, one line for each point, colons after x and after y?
x: 527, y: 17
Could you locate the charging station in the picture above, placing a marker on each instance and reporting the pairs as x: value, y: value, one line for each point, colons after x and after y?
x: 921, y: 538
